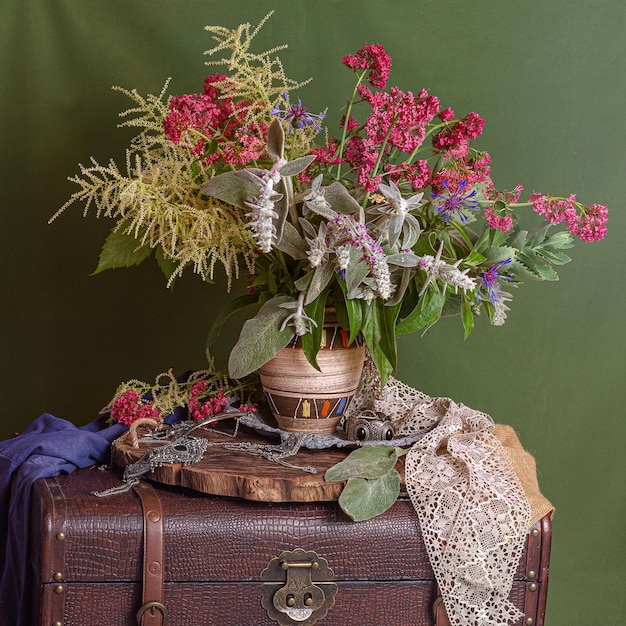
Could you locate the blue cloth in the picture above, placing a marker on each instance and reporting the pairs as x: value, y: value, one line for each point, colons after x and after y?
x: 48, y: 447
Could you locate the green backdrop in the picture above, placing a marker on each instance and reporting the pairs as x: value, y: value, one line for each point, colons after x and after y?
x: 550, y: 79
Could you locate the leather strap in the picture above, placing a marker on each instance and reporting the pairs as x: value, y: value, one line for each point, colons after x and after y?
x: 440, y: 616
x: 152, y: 611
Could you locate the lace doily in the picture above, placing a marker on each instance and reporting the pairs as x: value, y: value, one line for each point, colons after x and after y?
x: 472, y: 509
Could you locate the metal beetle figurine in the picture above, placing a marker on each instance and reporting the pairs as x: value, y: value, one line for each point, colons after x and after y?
x: 369, y: 426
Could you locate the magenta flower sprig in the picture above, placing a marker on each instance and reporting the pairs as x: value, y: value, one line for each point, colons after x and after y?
x: 203, y: 394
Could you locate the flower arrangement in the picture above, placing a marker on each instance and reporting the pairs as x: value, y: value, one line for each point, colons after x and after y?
x: 394, y: 222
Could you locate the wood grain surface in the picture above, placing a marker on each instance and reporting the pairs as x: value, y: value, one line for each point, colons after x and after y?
x: 238, y: 473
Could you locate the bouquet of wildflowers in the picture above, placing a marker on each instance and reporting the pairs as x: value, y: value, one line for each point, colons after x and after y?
x: 394, y: 220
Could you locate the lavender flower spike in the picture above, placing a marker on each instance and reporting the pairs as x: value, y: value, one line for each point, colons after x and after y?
x: 449, y: 274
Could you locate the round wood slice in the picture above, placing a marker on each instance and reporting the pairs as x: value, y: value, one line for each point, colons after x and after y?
x: 238, y: 473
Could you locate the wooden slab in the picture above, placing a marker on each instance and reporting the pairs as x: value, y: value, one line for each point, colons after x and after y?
x: 237, y: 473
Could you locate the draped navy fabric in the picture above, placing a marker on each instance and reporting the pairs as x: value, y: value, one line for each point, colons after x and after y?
x: 48, y: 447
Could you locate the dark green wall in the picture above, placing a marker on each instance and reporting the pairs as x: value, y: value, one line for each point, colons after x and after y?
x: 549, y: 77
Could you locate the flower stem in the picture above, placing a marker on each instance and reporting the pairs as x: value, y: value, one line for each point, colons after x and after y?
x: 345, y: 124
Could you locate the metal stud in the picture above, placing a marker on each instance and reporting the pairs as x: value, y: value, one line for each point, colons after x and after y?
x: 59, y: 589
x: 535, y: 532
x: 529, y: 621
x: 57, y: 624
x: 532, y: 574
x: 57, y: 576
x: 533, y: 587
x: 61, y: 536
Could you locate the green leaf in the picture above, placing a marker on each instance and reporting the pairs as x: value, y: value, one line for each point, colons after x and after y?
x: 426, y: 313
x: 354, y: 310
x: 261, y: 338
x: 362, y: 499
x: 561, y: 240
x: 166, y: 264
x: 519, y: 241
x: 474, y: 258
x: 236, y: 304
x: 311, y: 341
x: 387, y: 319
x: 121, y: 250
x: 502, y: 253
x: 467, y: 315
x: 372, y: 332
x: 538, y: 266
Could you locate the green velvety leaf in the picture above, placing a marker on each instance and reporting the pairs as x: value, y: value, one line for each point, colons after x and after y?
x: 275, y: 140
x: 356, y: 271
x: 340, y: 199
x: 121, y: 250
x: 260, y: 339
x: 365, y: 462
x: 403, y: 259
x: 292, y: 243
x: 363, y: 499
x: 322, y: 275
x: 233, y: 187
x: 297, y: 165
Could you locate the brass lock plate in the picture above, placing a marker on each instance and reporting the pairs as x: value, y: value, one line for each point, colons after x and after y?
x: 298, y: 588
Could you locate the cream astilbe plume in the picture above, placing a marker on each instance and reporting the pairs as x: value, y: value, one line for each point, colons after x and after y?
x: 257, y: 78
x: 158, y: 201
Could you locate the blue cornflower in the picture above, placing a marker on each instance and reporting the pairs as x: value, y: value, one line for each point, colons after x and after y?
x: 297, y: 115
x: 490, y: 282
x: 455, y: 204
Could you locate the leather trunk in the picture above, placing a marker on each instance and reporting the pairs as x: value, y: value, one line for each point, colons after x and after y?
x: 216, y: 548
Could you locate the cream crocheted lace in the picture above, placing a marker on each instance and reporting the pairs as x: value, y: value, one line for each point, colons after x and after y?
x: 473, y: 511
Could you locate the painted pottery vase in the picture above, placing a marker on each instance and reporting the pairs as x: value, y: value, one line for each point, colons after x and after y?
x: 303, y: 399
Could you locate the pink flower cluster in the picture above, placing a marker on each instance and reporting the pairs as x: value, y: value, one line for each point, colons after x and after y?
x: 373, y: 57
x: 503, y: 223
x: 473, y: 169
x: 212, y: 406
x: 397, y: 121
x: 129, y: 407
x: 195, y: 117
x: 497, y: 215
x: 589, y: 225
x: 454, y: 139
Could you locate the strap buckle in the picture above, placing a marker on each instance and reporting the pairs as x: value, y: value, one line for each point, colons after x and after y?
x: 150, y: 606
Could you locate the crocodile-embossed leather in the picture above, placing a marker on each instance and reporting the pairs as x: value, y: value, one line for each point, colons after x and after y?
x: 216, y: 548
